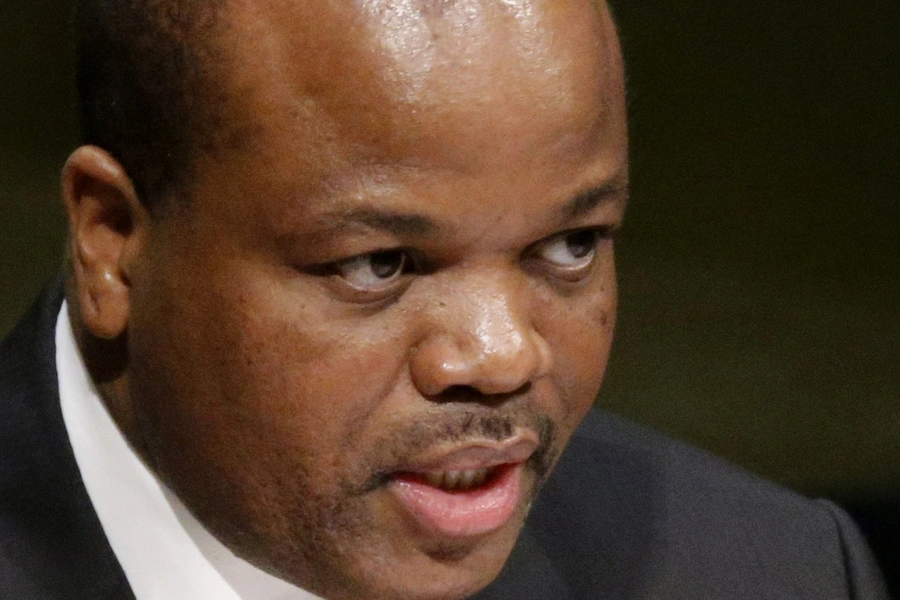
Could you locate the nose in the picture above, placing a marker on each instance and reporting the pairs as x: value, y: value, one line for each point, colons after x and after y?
x: 482, y: 339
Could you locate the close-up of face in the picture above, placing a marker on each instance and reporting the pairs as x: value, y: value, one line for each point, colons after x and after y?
x: 363, y: 342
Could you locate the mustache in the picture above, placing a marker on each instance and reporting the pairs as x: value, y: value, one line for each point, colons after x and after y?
x: 459, y: 425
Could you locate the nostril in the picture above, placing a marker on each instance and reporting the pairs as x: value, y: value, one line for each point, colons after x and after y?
x: 461, y: 393
x: 471, y: 394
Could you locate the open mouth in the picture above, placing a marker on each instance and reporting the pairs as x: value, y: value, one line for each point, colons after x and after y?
x: 464, y: 490
x: 460, y: 503
x: 460, y: 480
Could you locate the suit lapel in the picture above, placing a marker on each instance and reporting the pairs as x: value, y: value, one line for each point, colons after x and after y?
x: 52, y: 545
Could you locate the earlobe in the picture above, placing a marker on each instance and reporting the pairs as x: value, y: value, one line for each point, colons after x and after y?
x: 106, y: 223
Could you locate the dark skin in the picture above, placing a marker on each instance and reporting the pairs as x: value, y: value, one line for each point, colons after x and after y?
x: 410, y: 253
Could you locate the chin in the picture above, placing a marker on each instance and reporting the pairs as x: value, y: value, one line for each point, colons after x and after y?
x: 448, y: 579
x: 410, y: 569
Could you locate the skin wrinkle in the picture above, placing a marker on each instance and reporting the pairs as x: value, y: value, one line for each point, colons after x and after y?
x: 271, y: 395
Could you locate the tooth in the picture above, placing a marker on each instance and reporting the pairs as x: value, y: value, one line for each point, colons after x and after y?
x: 478, y: 477
x: 457, y: 480
x: 451, y: 479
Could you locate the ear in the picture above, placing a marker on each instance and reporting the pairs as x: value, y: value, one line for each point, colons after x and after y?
x: 106, y: 224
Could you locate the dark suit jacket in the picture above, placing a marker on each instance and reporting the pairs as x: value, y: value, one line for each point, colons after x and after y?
x: 628, y: 514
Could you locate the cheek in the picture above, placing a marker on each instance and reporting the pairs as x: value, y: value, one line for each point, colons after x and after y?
x: 579, y: 330
x: 314, y: 390
x: 304, y: 382
x: 253, y: 384
x: 252, y: 397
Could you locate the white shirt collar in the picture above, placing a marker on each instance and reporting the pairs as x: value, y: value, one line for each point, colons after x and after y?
x: 165, y: 552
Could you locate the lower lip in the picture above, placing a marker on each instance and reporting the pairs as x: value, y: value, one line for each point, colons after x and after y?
x: 461, y: 513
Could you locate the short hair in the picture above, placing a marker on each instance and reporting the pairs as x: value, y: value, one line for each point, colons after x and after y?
x: 148, y: 93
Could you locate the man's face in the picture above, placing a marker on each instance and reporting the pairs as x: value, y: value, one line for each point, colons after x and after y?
x: 366, y: 341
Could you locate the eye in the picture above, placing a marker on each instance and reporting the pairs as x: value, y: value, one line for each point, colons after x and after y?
x: 571, y: 252
x: 373, y: 272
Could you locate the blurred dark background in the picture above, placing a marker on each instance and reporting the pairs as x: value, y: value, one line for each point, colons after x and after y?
x: 760, y: 264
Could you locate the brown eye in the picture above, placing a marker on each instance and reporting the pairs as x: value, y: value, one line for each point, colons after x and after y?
x: 376, y: 271
x: 581, y: 243
x: 570, y: 251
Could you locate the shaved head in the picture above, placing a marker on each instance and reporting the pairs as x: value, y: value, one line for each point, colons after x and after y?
x: 359, y: 351
x: 151, y: 74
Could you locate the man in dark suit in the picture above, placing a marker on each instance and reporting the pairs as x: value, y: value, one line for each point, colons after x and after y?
x: 342, y: 290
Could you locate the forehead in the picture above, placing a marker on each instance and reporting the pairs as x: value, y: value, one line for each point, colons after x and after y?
x: 484, y: 99
x: 408, y: 75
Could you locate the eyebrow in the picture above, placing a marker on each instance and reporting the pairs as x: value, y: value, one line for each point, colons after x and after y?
x: 399, y: 224
x: 414, y: 224
x: 586, y: 201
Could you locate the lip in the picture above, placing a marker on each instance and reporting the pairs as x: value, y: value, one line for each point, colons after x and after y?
x: 474, y: 455
x: 471, y: 512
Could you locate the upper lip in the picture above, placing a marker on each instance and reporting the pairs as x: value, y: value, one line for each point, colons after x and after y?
x: 474, y: 454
